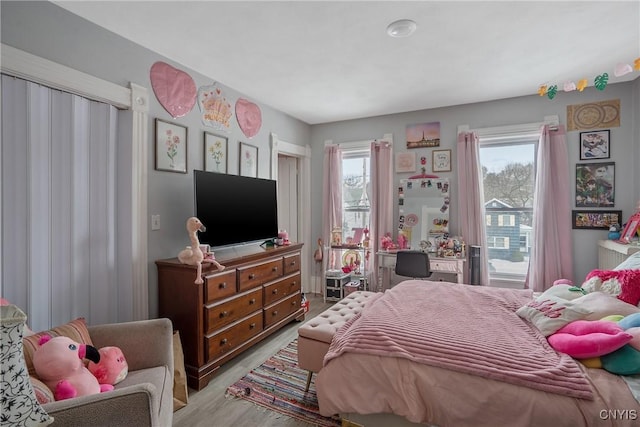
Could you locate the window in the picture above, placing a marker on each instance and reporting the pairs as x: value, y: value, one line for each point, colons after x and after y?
x: 355, y: 191
x: 496, y: 242
x: 506, y: 220
x: 508, y: 170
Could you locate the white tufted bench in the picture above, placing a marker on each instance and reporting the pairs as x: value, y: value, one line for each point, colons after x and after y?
x: 315, y: 335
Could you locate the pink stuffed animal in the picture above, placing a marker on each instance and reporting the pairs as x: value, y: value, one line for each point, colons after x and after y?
x: 112, y: 367
x: 58, y: 363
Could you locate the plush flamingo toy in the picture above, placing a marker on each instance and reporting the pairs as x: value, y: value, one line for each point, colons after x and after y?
x: 193, y: 255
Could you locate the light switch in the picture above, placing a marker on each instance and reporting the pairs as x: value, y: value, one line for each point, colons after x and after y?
x: 155, y: 222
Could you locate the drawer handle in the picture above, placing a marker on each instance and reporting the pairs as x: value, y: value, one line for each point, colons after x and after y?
x: 251, y: 326
x: 275, y: 313
x: 275, y: 268
x: 293, y: 283
x: 222, y: 285
x: 293, y: 302
x: 252, y: 276
x: 275, y: 291
x: 252, y: 301
x: 223, y: 341
x: 292, y: 263
x: 224, y: 314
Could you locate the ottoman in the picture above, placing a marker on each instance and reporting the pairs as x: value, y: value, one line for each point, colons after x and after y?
x: 315, y: 335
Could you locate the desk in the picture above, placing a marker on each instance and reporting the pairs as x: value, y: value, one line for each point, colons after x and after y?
x: 387, y: 263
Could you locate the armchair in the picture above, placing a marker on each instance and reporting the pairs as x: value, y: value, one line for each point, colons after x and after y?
x: 144, y: 397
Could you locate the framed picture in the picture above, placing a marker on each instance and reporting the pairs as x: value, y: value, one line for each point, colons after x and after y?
x: 215, y: 153
x: 171, y: 147
x: 632, y: 227
x: 595, y: 185
x: 596, y: 220
x: 405, y: 162
x: 248, y: 160
x: 594, y: 145
x: 441, y: 160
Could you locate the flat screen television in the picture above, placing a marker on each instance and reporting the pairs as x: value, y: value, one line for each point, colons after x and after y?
x: 235, y: 209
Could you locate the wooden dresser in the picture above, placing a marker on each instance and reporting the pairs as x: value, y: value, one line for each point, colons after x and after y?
x: 257, y: 293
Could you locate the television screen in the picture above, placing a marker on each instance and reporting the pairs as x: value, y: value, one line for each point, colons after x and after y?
x: 235, y: 209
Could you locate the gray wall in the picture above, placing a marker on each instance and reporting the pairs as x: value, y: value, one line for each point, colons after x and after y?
x: 625, y: 147
x: 46, y: 30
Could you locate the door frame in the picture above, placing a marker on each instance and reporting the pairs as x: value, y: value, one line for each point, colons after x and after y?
x: 303, y: 154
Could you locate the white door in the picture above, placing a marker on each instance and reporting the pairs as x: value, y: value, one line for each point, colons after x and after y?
x: 288, y: 196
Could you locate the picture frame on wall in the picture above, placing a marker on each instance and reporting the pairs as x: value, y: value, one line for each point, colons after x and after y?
x: 595, y: 220
x: 215, y: 153
x: 405, y: 162
x: 595, y: 144
x: 171, y: 147
x: 595, y: 185
x: 248, y: 158
x: 441, y: 160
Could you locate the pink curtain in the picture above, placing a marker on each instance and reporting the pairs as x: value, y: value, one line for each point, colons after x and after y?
x: 381, y: 199
x: 331, y: 193
x: 552, y: 253
x: 471, y: 214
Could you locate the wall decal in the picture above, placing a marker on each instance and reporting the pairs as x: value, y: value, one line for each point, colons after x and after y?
x: 249, y: 117
x: 175, y: 89
x: 214, y: 107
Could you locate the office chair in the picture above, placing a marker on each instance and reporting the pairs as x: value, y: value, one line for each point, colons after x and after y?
x: 413, y: 264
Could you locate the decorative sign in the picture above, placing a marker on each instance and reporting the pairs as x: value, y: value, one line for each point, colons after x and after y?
x: 592, y: 115
x: 405, y: 162
x: 216, y: 110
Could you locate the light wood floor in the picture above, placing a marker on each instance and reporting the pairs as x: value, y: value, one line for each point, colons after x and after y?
x: 209, y: 406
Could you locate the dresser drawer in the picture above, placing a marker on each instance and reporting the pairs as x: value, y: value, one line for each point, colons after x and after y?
x: 220, y: 285
x: 278, y: 311
x: 233, y: 336
x: 282, y: 288
x: 291, y: 263
x: 452, y: 266
x: 257, y: 274
x: 228, y: 311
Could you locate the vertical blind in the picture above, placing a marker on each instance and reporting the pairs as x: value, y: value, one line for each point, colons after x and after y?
x: 59, y: 200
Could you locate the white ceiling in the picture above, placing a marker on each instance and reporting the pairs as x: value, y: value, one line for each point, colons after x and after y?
x: 329, y: 61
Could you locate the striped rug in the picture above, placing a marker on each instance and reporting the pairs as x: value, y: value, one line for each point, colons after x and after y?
x: 278, y: 385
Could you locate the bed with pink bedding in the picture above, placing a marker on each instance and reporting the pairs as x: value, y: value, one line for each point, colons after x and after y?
x: 456, y: 355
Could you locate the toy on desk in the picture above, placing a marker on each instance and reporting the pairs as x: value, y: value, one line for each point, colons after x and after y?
x: 614, y: 232
x: 193, y: 255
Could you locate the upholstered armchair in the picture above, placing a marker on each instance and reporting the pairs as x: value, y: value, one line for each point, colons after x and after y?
x: 144, y: 397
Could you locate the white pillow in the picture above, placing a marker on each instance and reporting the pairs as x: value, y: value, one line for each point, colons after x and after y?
x: 631, y: 263
x: 601, y: 304
x: 550, y: 313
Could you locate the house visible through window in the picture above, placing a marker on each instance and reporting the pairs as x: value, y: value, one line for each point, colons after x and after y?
x: 355, y: 192
x: 508, y: 170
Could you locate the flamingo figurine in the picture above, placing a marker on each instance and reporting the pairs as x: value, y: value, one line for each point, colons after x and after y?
x: 193, y: 255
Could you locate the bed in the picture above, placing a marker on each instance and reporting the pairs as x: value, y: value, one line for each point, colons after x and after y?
x: 445, y: 354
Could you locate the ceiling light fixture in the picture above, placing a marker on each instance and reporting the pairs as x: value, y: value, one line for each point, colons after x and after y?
x: 401, y: 28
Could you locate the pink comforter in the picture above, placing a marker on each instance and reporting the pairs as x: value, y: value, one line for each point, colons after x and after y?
x: 446, y: 392
x: 468, y: 329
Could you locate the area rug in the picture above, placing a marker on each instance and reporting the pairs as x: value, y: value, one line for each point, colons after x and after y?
x: 278, y: 385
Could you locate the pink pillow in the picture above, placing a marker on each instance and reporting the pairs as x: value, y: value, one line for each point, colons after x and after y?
x: 583, y: 339
x: 625, y: 284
